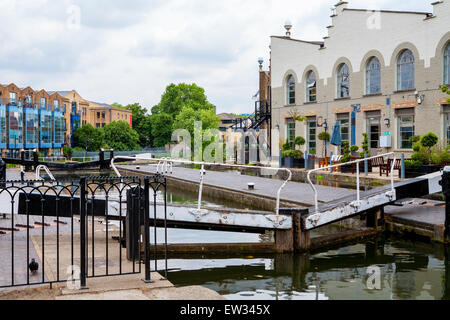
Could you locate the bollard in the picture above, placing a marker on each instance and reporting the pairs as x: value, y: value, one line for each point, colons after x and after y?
x: 366, y: 165
x: 306, y: 160
x: 331, y: 161
x: 403, y: 169
x: 134, y: 221
x: 2, y: 173
x: 445, y: 183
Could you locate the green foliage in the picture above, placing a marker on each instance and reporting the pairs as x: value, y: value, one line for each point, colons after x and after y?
x: 441, y: 156
x: 67, y: 151
x: 429, y: 140
x: 90, y: 138
x: 365, y: 146
x: 179, y: 107
x: 347, y: 155
x: 121, y: 137
x: 414, y: 139
x: 425, y: 150
x: 324, y: 136
x: 293, y: 154
x: 299, y: 141
x: 286, y: 146
x: 409, y: 164
x: 354, y: 148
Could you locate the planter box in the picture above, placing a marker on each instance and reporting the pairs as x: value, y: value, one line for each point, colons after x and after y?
x: 289, y: 162
x: 421, y: 171
x: 348, y: 168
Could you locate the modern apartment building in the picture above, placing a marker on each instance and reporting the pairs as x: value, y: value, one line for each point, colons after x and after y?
x: 377, y: 72
x: 46, y: 120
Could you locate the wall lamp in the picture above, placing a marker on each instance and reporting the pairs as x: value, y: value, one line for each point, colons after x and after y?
x: 387, y: 122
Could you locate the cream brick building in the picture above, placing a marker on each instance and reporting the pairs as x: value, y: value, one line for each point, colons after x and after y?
x: 382, y: 68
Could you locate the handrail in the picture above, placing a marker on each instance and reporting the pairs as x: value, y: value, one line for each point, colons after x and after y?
x: 357, y: 162
x: 203, y: 164
x: 47, y: 170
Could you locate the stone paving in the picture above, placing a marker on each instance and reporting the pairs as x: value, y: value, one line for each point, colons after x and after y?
x: 296, y: 192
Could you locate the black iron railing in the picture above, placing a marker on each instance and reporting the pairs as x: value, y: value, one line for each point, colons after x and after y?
x: 94, y: 227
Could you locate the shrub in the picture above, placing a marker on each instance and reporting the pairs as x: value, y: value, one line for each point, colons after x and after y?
x: 293, y: 154
x: 429, y: 140
x: 412, y: 164
x: 324, y: 136
x: 365, y: 146
x: 286, y: 146
x: 300, y: 141
x: 347, y: 156
x: 354, y: 148
x: 67, y: 151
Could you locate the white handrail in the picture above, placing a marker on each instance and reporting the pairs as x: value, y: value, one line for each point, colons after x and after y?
x: 47, y: 170
x: 358, y: 192
x: 203, y: 164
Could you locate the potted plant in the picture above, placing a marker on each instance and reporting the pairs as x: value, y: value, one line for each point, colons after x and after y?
x: 354, y: 151
x: 346, y: 158
x: 426, y: 157
x: 292, y: 158
x: 365, y: 150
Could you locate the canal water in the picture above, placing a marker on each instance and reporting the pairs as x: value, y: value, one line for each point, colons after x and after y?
x: 387, y: 269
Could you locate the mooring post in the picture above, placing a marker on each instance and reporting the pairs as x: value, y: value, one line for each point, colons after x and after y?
x: 35, y: 159
x: 445, y: 183
x: 101, y: 158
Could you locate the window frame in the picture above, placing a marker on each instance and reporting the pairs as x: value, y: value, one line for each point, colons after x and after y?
x: 309, y: 134
x: 447, y: 64
x: 340, y: 81
x: 370, y: 124
x: 370, y: 75
x: 402, y: 64
x: 290, y: 132
x: 402, y: 124
x: 311, y: 92
x: 290, y: 90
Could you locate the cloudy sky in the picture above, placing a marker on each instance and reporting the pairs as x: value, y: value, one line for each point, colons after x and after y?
x: 128, y: 51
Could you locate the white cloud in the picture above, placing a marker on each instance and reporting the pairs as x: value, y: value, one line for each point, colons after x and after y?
x: 128, y: 51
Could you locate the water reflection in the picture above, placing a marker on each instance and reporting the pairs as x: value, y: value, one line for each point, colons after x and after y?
x: 408, y: 271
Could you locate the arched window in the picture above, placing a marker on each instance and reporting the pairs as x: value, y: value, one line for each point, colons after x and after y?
x: 343, y: 80
x: 373, y: 76
x: 405, y: 71
x: 447, y: 65
x: 311, y: 87
x: 290, y: 92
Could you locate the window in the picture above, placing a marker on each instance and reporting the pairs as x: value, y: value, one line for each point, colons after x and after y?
x: 405, y: 71
x: 373, y: 76
x: 43, y: 103
x: 311, y: 87
x: 312, y: 129
x: 343, y: 81
x: 74, y: 107
x: 447, y: 65
x: 343, y: 118
x: 98, y: 115
x: 290, y: 92
x: 28, y: 99
x: 405, y: 131
x: 12, y: 98
x: 97, y: 125
x: 374, y: 130
x: 56, y: 105
x: 291, y: 132
x: 103, y: 115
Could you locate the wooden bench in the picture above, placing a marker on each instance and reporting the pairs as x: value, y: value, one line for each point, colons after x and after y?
x: 386, y: 167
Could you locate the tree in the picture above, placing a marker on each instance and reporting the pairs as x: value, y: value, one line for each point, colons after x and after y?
x: 89, y: 137
x: 141, y: 122
x: 446, y: 90
x: 161, y: 129
x: 121, y: 137
x: 180, y: 106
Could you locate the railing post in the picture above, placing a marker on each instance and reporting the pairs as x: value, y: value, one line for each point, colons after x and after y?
x: 2, y: 173
x: 147, y: 230
x: 83, y: 234
x: 403, y: 169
